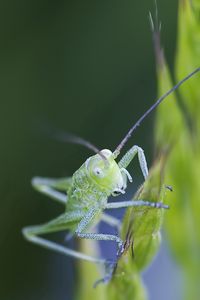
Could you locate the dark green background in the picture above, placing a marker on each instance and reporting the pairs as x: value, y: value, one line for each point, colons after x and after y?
x: 86, y: 67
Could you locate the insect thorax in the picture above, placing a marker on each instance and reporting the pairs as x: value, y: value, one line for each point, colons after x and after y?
x: 84, y: 192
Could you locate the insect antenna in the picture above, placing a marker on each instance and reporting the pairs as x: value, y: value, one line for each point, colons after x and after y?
x: 141, y: 119
x: 71, y: 138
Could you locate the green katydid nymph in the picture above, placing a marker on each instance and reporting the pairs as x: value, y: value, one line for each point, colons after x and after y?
x: 88, y: 190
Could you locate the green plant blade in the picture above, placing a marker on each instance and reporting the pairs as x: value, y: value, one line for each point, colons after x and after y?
x: 141, y: 230
x: 182, y: 168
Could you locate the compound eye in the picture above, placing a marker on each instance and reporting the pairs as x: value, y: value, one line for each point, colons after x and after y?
x: 116, y: 193
x: 98, y: 172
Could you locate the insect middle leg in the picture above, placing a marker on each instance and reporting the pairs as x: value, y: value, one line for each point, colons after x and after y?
x: 96, y: 236
x: 106, y: 218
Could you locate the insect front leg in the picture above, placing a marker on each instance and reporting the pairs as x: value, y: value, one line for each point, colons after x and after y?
x: 128, y: 157
x: 130, y: 203
x: 65, y: 221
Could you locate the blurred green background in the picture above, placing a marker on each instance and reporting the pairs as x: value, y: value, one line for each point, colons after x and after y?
x: 88, y: 68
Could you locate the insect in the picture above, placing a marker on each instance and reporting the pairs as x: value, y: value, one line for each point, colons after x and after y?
x: 88, y: 190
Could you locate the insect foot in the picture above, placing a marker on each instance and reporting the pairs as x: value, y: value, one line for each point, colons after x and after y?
x: 110, y: 267
x: 120, y: 251
x: 159, y: 205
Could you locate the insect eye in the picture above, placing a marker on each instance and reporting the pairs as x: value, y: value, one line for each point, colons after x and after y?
x: 98, y: 172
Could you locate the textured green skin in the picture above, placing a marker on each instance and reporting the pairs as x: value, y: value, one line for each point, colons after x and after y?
x: 87, y: 190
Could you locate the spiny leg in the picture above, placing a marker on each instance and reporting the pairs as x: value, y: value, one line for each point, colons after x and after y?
x: 110, y: 265
x: 130, y: 203
x: 62, y: 222
x: 113, y: 205
x: 108, y: 219
x: 59, y: 248
x: 96, y: 236
x: 128, y: 157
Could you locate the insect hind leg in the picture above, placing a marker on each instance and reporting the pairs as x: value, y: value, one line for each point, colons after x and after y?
x: 31, y: 234
x: 65, y: 221
x: 59, y: 248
